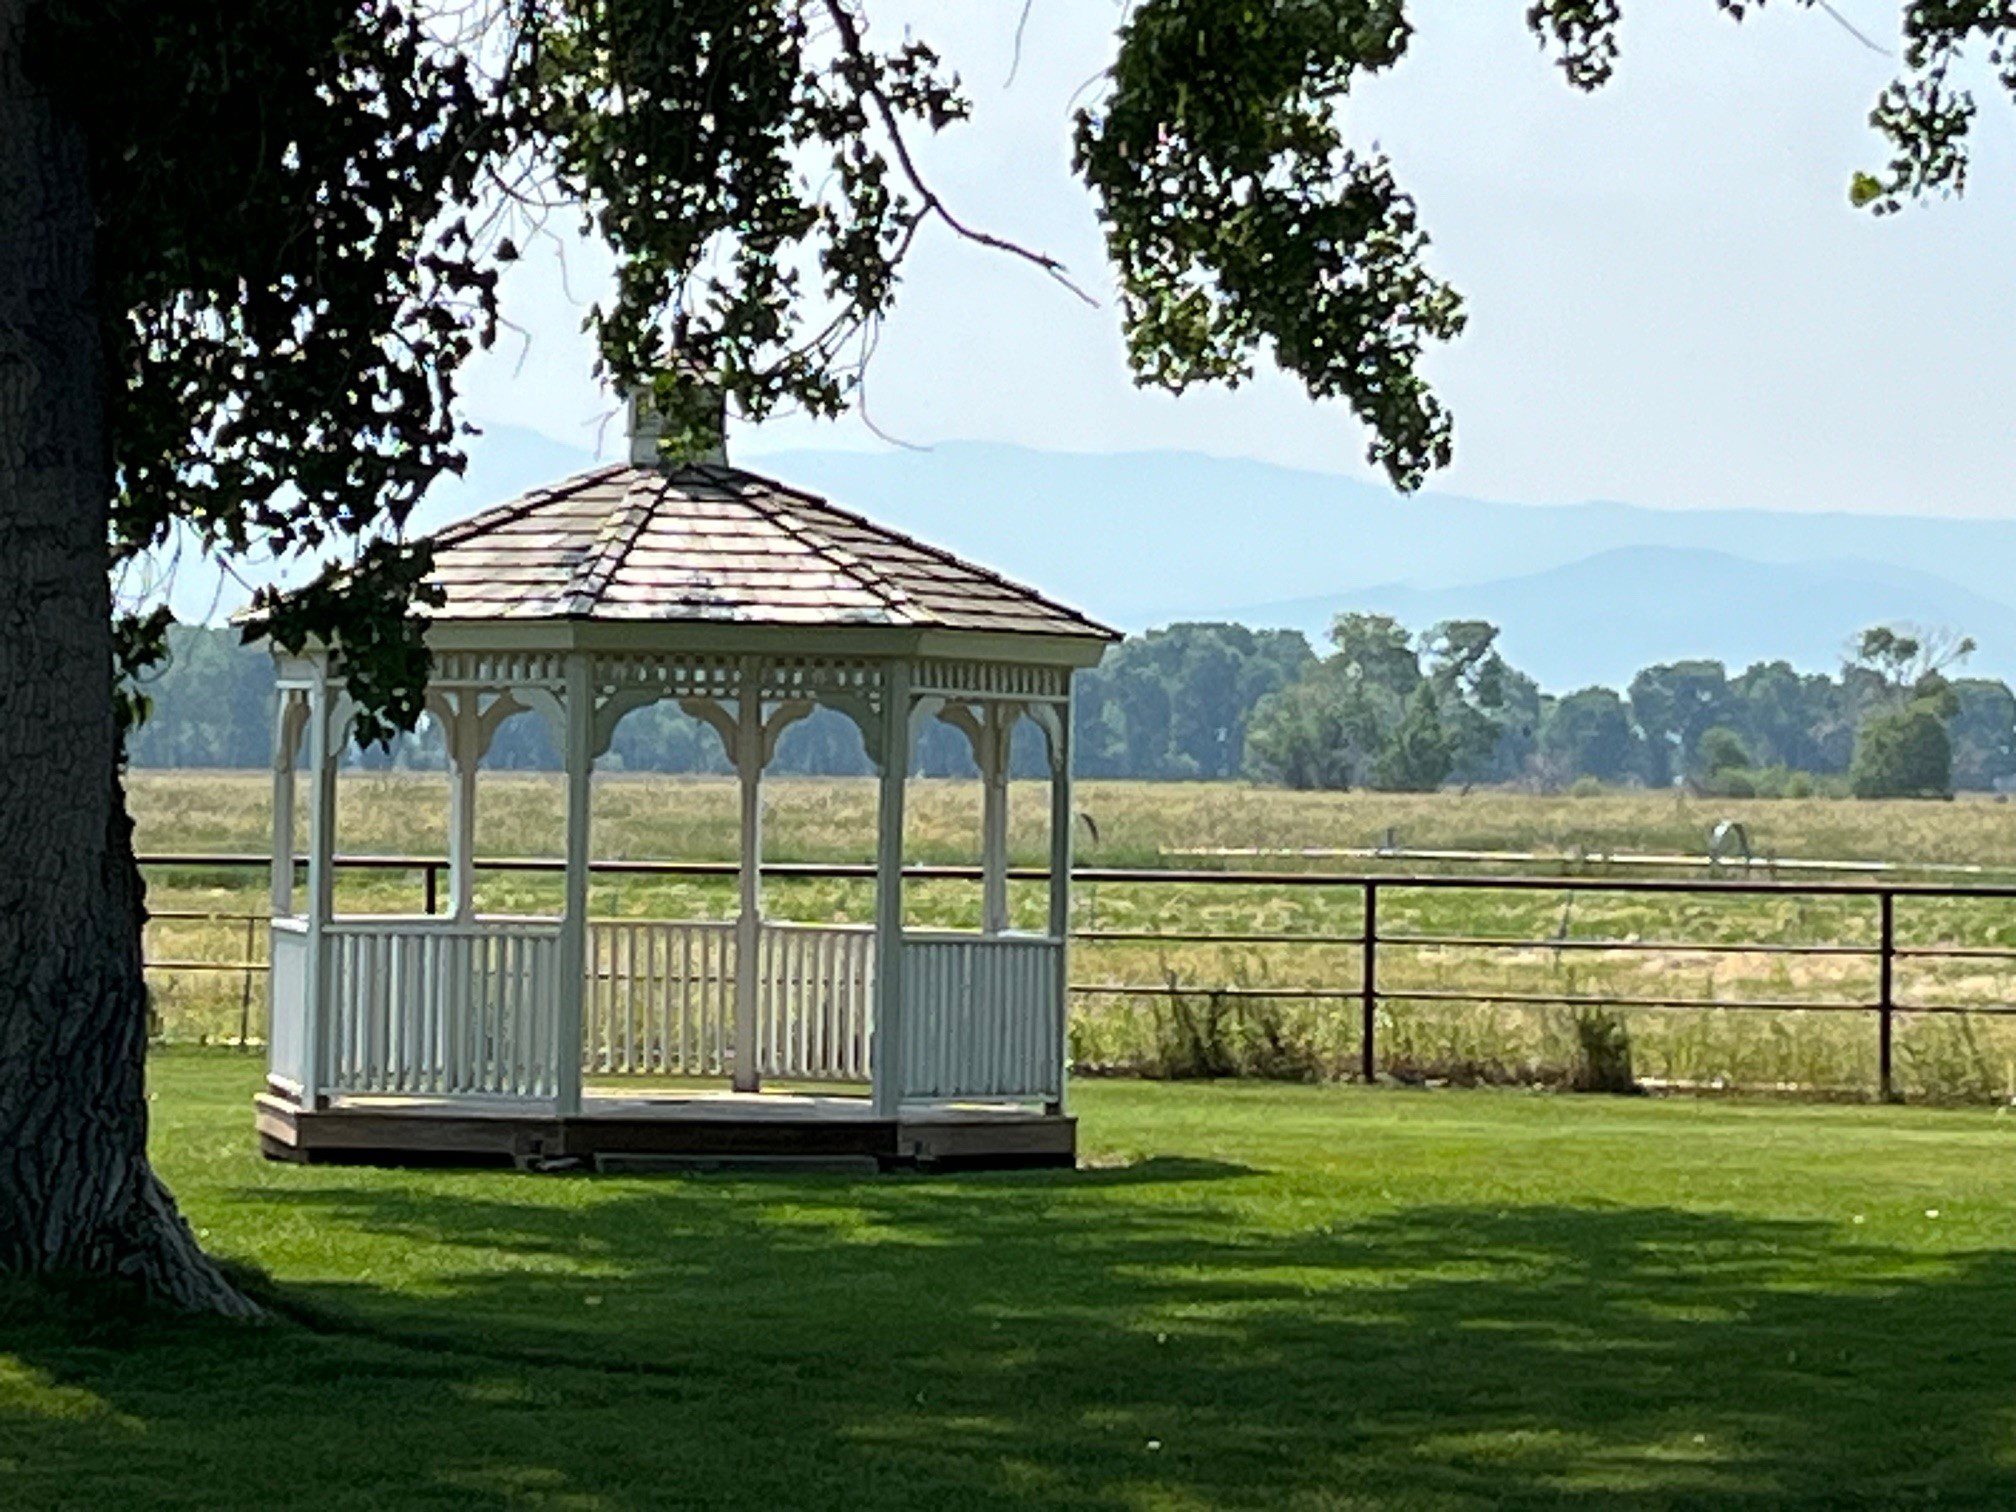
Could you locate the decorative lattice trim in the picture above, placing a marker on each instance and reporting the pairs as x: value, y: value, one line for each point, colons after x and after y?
x: 989, y: 680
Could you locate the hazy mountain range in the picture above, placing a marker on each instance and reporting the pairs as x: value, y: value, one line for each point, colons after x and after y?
x: 1584, y: 593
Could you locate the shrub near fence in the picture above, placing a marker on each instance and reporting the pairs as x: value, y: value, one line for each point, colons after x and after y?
x: 1842, y: 987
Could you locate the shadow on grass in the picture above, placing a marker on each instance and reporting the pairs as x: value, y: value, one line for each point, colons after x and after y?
x: 1149, y: 1170
x: 1060, y: 1338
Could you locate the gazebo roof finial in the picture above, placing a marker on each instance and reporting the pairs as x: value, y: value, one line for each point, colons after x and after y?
x: 697, y: 401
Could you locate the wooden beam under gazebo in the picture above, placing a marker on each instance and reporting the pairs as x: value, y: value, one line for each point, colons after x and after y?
x: 572, y: 1039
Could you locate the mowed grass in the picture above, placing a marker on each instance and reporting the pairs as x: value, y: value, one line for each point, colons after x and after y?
x: 1251, y: 1295
x: 673, y: 818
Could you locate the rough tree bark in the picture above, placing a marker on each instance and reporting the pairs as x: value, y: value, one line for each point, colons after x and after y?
x: 77, y: 1196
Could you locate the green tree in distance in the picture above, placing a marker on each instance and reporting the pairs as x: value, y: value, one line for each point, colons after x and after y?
x: 1722, y: 751
x: 1416, y: 757
x: 1983, y: 732
x: 1489, y: 712
x: 1675, y: 704
x: 1175, y: 702
x: 1792, y: 719
x: 1902, y: 749
x: 1894, y: 665
x: 1331, y: 727
x: 1589, y: 733
x: 1903, y: 753
x: 1375, y: 652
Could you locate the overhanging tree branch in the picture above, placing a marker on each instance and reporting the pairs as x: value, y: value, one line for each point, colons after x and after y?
x: 847, y: 25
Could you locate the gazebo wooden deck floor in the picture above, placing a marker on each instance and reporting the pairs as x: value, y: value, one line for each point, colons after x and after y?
x: 698, y: 1129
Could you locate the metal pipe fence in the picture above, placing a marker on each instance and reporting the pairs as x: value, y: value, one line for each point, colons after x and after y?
x: 1371, y: 990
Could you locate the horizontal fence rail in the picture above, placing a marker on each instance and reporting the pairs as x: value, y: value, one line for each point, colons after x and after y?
x: 436, y: 867
x: 1732, y: 862
x: 831, y: 964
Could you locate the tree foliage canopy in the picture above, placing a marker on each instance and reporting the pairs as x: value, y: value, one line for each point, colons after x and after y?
x: 1236, y: 213
x: 301, y: 223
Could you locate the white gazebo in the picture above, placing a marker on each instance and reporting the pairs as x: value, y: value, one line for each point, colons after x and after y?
x: 571, y: 1038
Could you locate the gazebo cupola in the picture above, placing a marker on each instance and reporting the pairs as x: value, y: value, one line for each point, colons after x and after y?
x: 749, y: 603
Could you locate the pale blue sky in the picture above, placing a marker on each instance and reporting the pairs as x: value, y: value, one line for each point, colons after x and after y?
x: 1671, y: 302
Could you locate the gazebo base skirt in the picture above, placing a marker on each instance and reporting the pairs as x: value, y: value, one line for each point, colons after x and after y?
x: 639, y: 1133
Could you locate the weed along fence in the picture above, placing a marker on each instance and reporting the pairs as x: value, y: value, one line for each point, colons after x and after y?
x: 1890, y: 988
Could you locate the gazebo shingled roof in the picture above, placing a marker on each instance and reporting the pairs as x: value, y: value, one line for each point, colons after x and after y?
x: 715, y: 544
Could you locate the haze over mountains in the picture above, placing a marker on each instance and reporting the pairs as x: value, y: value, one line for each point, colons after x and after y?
x: 1584, y: 593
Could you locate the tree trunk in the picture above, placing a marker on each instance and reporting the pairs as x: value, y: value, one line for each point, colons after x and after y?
x: 77, y: 1196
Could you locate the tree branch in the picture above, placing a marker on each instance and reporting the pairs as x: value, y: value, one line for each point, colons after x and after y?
x: 851, y: 43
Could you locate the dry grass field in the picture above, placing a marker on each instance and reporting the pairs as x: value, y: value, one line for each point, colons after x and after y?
x: 1187, y: 1029
x: 1139, y: 823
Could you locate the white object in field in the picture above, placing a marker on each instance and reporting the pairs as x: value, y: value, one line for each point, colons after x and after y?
x: 1729, y: 839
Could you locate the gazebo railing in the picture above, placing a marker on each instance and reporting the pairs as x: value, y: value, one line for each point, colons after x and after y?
x: 430, y: 1006
x: 659, y: 999
x: 983, y: 1016
x: 815, y: 993
x: 442, y: 1006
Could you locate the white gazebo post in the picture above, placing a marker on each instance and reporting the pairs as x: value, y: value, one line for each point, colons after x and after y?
x: 998, y: 729
x: 747, y: 751
x: 462, y: 735
x: 887, y: 1066
x: 287, y: 723
x: 749, y: 739
x: 579, y: 759
x: 989, y: 728
x: 1060, y: 873
x: 324, y: 748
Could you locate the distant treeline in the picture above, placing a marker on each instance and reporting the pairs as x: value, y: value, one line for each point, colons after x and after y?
x: 1383, y: 709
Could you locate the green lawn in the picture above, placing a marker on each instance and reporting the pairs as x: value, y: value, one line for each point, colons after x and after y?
x: 1254, y: 1295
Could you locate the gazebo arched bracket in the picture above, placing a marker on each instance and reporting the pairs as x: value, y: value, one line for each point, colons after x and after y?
x: 612, y: 707
x: 1052, y: 720
x: 989, y: 729
x: 470, y: 718
x: 290, y: 725
x: 865, y: 712
x: 729, y: 723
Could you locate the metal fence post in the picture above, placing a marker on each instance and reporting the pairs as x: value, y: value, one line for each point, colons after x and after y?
x: 432, y: 872
x: 1369, y: 981
x: 1886, y: 997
